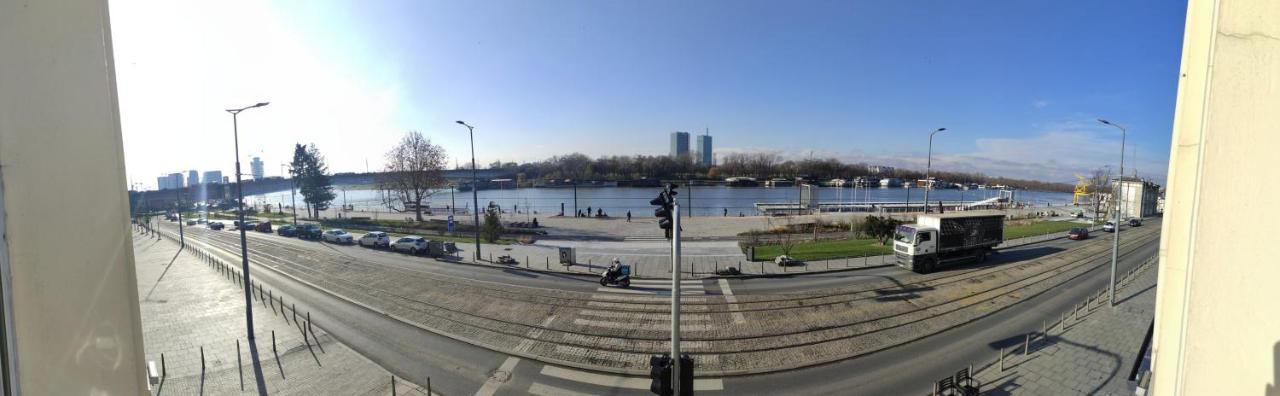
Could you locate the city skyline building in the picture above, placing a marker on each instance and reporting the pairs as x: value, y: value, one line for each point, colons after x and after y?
x: 193, y: 178
x: 679, y: 144
x: 702, y: 151
x: 256, y: 168
x: 212, y: 177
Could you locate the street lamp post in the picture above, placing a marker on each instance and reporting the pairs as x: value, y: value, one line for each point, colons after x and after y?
x: 928, y: 184
x: 293, y: 195
x: 1115, y: 242
x: 475, y: 185
x: 244, y: 255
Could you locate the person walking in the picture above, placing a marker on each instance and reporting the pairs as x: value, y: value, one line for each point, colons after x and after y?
x: 628, y: 216
x: 588, y: 211
x: 726, y: 212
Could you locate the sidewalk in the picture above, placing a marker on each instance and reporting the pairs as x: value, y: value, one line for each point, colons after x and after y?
x: 1092, y: 356
x: 188, y: 307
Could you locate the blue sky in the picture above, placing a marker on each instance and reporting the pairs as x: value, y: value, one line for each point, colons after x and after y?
x: 1017, y: 83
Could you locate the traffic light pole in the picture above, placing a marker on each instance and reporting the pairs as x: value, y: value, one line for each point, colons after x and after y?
x: 675, y: 299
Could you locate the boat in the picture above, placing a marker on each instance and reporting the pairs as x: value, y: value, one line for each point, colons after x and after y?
x: 741, y: 182
x: 779, y: 182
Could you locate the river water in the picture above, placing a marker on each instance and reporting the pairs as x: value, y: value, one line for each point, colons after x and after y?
x: 705, y: 200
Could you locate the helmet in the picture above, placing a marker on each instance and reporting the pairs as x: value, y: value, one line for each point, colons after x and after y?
x: 616, y: 261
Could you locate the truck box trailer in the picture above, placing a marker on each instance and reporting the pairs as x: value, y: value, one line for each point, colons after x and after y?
x: 940, y: 240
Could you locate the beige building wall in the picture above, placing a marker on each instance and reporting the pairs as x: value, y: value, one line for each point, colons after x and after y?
x: 66, y: 246
x: 1218, y: 301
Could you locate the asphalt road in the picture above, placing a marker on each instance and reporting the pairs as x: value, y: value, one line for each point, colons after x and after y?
x: 459, y: 368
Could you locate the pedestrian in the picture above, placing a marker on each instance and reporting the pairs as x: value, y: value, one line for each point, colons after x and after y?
x: 726, y: 212
x: 628, y: 216
x: 588, y: 211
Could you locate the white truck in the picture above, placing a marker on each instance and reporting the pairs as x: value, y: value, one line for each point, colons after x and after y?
x: 941, y: 240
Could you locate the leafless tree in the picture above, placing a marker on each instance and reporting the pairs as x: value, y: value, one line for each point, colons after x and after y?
x: 1099, y: 181
x: 414, y: 170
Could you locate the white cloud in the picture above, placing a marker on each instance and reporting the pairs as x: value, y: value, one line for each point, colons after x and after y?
x: 1041, y: 103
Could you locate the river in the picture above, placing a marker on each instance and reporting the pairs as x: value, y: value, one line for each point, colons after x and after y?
x: 705, y: 200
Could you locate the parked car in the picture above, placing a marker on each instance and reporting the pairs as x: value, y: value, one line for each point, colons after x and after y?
x: 375, y: 239
x: 785, y: 260
x: 309, y: 231
x: 1078, y: 233
x: 216, y: 225
x: 1134, y: 222
x: 249, y: 225
x: 201, y: 221
x: 1109, y: 227
x: 411, y: 244
x: 287, y: 231
x: 263, y: 227
x: 338, y: 235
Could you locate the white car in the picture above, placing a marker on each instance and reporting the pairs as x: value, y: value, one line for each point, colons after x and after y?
x: 375, y: 239
x: 337, y: 236
x: 785, y: 260
x: 1109, y: 227
x: 411, y: 244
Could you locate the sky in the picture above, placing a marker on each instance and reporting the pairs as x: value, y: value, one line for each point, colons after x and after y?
x: 1018, y: 84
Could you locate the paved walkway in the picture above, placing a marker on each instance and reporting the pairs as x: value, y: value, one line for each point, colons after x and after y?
x: 188, y: 307
x: 1093, y: 355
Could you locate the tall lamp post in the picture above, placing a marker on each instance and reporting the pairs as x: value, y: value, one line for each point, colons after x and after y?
x: 1115, y: 242
x: 928, y: 183
x: 244, y: 255
x: 293, y: 194
x: 475, y: 185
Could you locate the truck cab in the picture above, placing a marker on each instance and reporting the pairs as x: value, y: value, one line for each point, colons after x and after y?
x: 915, y: 245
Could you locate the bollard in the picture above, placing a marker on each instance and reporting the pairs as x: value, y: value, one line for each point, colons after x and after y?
x: 1062, y: 322
x: 282, y: 307
x: 428, y: 385
x: 271, y: 299
x: 239, y: 365
x: 1026, y: 345
x: 548, y: 263
x: 273, y: 341
x: 202, y: 360
x: 864, y: 260
x: 164, y: 372
x: 828, y: 262
x: 393, y: 385
x: 526, y: 261
x: 295, y: 312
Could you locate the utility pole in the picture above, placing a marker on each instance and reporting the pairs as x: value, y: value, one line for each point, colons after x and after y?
x: 1119, y: 196
x: 675, y: 299
x: 928, y: 183
x: 475, y: 186
x: 244, y: 256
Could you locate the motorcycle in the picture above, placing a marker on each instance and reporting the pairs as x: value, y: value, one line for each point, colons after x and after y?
x: 618, y: 274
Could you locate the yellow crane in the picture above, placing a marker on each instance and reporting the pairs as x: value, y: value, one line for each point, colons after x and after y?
x: 1082, y: 190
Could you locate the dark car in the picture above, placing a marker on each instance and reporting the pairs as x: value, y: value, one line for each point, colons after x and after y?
x: 215, y: 225
x: 287, y: 231
x: 263, y: 227
x: 1134, y: 222
x: 1078, y: 233
x: 310, y: 231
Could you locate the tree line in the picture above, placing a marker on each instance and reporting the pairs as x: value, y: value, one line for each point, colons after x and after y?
x: 761, y: 166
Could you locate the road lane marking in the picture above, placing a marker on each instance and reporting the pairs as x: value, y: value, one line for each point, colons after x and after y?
x: 613, y: 381
x: 503, y: 375
x: 643, y: 316
x: 612, y: 297
x: 684, y: 326
x: 657, y: 292
x: 733, y: 302
x: 527, y: 343
x: 548, y: 390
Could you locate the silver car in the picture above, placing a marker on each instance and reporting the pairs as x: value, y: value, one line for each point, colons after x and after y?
x: 338, y: 236
x: 410, y: 244
x: 375, y: 239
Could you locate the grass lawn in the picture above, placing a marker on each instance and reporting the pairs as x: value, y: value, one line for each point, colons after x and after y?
x: 1038, y: 228
x: 823, y: 250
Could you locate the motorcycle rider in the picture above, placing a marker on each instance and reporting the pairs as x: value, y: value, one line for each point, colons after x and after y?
x: 614, y: 268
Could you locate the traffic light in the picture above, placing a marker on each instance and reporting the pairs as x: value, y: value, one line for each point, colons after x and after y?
x: 660, y: 375
x: 665, y: 202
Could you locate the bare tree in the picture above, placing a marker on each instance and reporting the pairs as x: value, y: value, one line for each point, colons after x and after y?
x: 414, y: 170
x: 1099, y: 181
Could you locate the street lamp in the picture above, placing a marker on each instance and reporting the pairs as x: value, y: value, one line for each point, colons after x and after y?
x: 928, y: 184
x: 244, y: 254
x: 1115, y: 243
x: 293, y: 194
x: 475, y: 185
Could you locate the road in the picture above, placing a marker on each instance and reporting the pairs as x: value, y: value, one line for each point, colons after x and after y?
x: 460, y: 368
